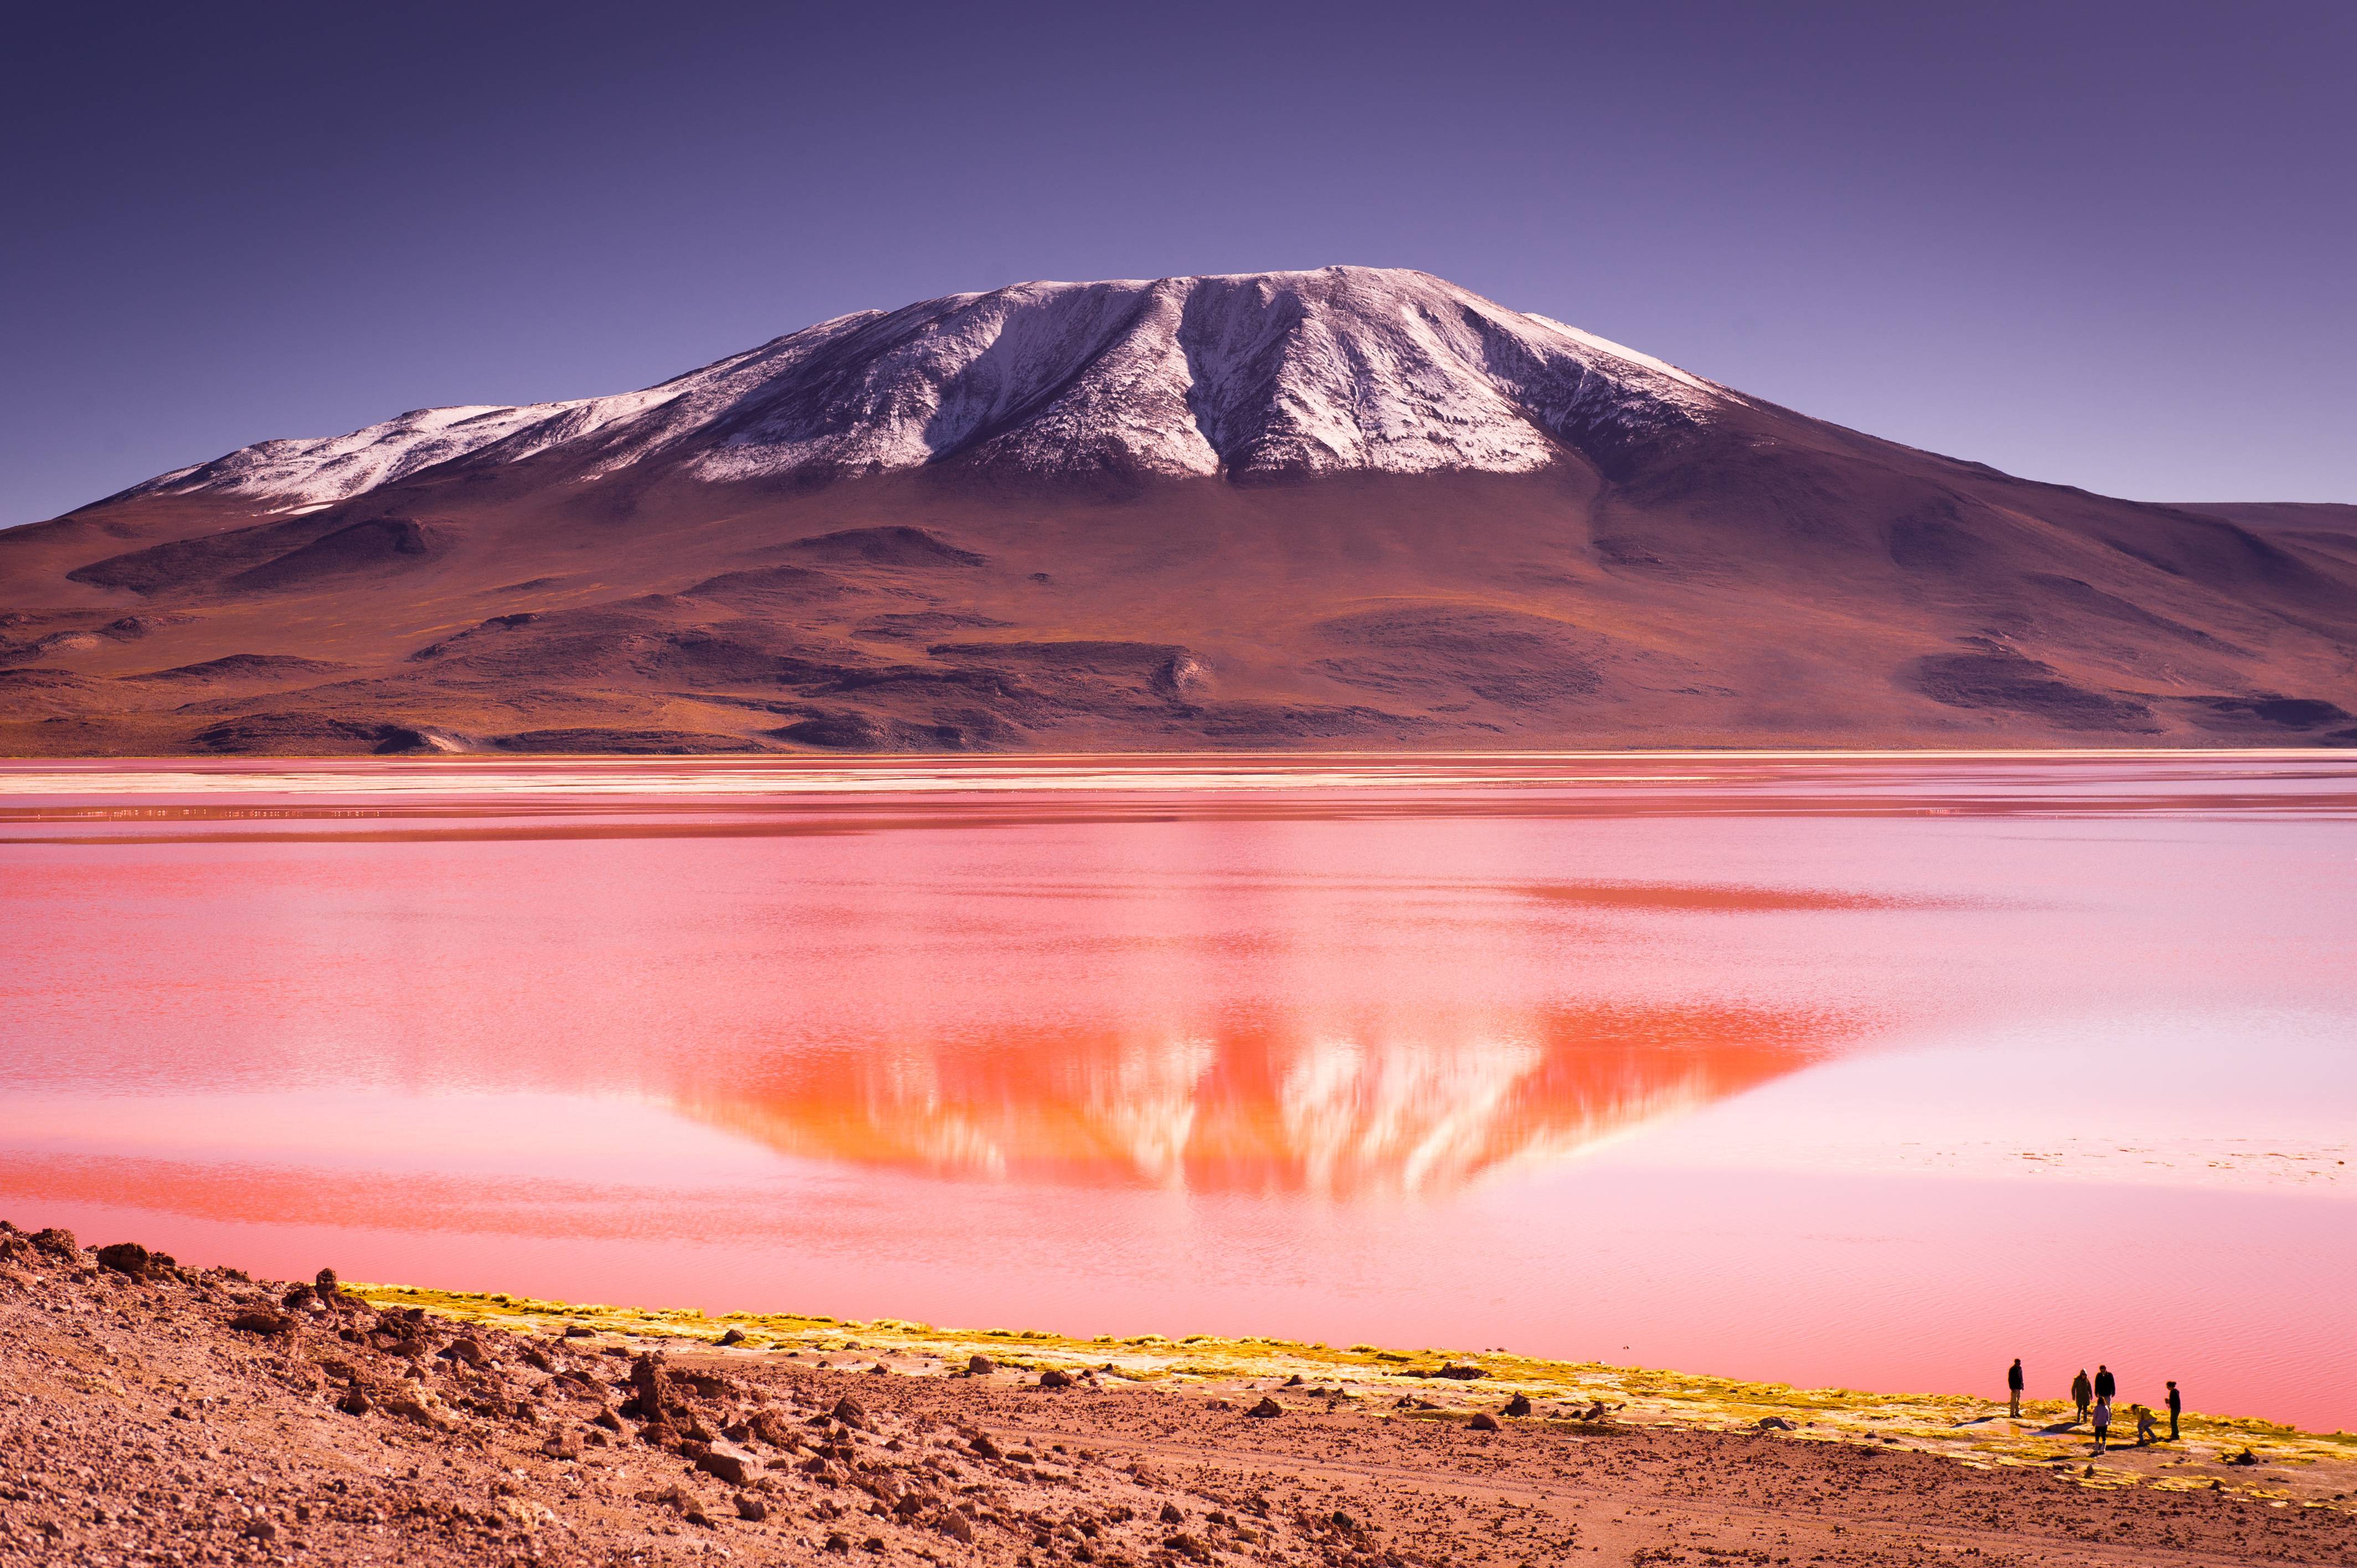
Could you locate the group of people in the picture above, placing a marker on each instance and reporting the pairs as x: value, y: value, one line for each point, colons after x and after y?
x: 2093, y: 1399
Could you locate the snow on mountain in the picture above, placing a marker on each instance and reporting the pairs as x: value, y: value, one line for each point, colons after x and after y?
x: 1247, y: 375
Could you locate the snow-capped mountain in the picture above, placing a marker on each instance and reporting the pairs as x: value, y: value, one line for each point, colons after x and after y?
x: 1252, y: 375
x: 1029, y: 519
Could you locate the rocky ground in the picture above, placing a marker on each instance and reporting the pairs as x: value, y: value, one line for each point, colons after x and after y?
x: 153, y: 1414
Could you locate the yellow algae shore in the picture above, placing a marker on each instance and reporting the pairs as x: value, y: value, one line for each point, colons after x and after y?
x: 2253, y: 1458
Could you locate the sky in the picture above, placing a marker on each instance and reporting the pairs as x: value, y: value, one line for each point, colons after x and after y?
x: 2109, y: 245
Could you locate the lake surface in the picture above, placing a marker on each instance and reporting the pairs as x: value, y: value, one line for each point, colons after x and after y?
x: 1869, y: 1071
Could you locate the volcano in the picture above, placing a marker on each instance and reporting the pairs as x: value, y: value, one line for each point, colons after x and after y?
x: 1353, y: 508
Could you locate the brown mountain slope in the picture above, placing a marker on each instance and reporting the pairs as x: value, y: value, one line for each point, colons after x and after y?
x: 1757, y: 578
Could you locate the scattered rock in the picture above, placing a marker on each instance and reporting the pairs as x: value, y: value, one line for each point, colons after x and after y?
x: 1774, y: 1423
x: 750, y: 1506
x: 1170, y: 1514
x: 1483, y: 1422
x: 261, y: 1322
x: 1519, y: 1405
x: 1052, y: 1378
x: 576, y: 1331
x: 849, y: 1412
x: 732, y: 1466
x: 980, y: 1366
x: 735, y: 1337
x: 1266, y: 1408
x: 983, y: 1446
x: 1461, y: 1373
x: 954, y: 1525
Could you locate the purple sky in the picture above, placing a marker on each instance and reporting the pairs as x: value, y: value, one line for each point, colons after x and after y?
x: 2111, y: 245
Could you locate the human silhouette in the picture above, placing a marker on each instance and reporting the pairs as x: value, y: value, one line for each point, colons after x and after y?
x: 2013, y: 1385
x: 2103, y: 1420
x: 2082, y: 1395
x: 2176, y: 1408
x: 2107, y: 1387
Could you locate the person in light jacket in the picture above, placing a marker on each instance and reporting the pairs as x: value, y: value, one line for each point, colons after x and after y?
x: 2103, y: 1420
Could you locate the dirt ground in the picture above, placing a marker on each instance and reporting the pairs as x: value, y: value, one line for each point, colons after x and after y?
x: 156, y: 1414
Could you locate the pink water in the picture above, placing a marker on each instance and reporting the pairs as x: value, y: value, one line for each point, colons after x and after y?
x: 1873, y: 1072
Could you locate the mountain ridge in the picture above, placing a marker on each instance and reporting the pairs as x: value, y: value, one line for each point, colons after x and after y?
x: 1349, y: 506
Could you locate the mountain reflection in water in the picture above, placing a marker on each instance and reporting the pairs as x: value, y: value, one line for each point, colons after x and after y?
x: 1336, y: 1111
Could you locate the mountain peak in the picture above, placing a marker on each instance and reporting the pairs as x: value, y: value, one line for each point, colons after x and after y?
x: 1247, y: 375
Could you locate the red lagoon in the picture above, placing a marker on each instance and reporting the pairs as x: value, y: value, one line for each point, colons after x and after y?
x: 1871, y: 1071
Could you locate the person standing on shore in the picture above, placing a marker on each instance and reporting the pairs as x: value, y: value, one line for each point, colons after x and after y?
x: 2107, y: 1387
x: 2082, y: 1395
x: 2103, y: 1420
x: 2013, y: 1385
x: 2176, y: 1408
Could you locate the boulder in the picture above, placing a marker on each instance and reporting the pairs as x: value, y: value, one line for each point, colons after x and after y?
x: 749, y: 1507
x: 1519, y: 1405
x: 1052, y: 1378
x: 980, y: 1366
x: 650, y: 1386
x: 125, y: 1258
x: 848, y: 1411
x: 1266, y: 1408
x: 1774, y: 1423
x: 983, y: 1446
x: 1483, y: 1422
x: 1461, y: 1373
x: 261, y: 1321
x: 735, y: 1337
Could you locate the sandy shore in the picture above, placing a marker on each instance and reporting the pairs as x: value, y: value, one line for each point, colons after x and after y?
x: 154, y: 1414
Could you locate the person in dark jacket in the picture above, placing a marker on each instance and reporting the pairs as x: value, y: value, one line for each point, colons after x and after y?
x: 2013, y: 1385
x: 2176, y: 1408
x: 2082, y: 1395
x: 2107, y: 1387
